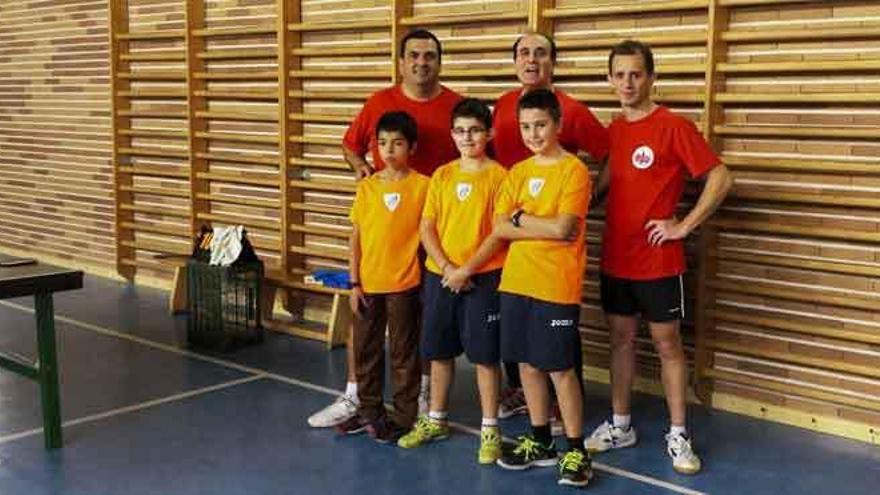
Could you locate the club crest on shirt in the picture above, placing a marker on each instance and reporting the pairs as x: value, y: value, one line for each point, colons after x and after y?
x: 391, y: 200
x: 463, y: 190
x: 535, y: 186
x: 643, y: 157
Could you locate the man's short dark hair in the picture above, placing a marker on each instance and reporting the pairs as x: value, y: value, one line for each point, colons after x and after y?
x: 398, y: 122
x: 421, y: 34
x: 472, y: 108
x: 541, y: 99
x: 631, y: 47
x: 546, y: 37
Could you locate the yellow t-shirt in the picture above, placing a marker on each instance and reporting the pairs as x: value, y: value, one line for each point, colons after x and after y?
x: 387, y: 214
x: 462, y: 204
x: 547, y: 270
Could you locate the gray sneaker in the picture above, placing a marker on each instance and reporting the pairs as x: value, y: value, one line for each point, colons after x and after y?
x: 607, y: 436
x: 684, y: 460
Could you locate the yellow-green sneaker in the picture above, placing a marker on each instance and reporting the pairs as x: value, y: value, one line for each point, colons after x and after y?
x: 423, y: 432
x: 490, y: 445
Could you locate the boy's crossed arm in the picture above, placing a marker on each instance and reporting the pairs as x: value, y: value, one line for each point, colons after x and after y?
x: 563, y: 227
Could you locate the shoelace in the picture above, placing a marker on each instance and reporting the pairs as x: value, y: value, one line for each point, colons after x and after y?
x: 423, y: 427
x: 679, y: 446
x: 490, y: 435
x: 572, y: 461
x: 527, y: 447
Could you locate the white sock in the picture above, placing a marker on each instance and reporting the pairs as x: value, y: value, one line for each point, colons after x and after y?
x: 426, y: 382
x: 490, y: 423
x: 678, y: 430
x: 437, y: 416
x: 621, y: 421
x: 351, y: 390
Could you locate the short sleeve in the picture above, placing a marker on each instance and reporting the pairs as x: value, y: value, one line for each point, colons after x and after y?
x: 505, y: 201
x: 575, y: 198
x: 356, y: 213
x: 357, y: 137
x: 692, y: 149
x: 433, y: 198
x: 590, y: 134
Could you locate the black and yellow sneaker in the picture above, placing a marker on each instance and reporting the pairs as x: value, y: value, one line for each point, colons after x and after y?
x: 527, y: 453
x: 575, y: 469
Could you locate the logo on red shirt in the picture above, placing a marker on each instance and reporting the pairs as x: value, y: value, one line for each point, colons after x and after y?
x: 643, y: 157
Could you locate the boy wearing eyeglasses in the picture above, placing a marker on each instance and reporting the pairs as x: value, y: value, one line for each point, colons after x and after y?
x: 462, y: 315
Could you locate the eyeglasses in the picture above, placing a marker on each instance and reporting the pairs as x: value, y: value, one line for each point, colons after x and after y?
x: 472, y: 131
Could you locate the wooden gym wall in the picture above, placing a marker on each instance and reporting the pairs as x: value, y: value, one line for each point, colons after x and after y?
x: 56, y: 189
x: 232, y: 111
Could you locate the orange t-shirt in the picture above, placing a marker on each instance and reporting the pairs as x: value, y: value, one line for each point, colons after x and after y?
x: 387, y: 215
x: 648, y: 160
x: 551, y: 271
x: 434, y: 143
x: 462, y: 205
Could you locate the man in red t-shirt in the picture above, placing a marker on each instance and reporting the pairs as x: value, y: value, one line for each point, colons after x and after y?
x: 534, y: 55
x: 420, y: 95
x: 652, y: 152
x: 430, y: 104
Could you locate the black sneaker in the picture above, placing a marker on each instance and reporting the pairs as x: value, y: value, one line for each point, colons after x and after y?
x: 352, y: 426
x: 527, y: 453
x: 385, y: 430
x: 575, y: 469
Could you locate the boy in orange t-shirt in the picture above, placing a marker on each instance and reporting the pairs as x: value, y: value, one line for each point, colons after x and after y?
x: 464, y: 317
x: 385, y: 277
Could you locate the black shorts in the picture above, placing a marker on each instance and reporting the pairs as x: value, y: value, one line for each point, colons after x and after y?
x: 657, y: 300
x: 464, y: 322
x: 542, y: 334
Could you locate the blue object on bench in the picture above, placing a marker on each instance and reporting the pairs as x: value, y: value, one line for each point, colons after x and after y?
x: 337, y: 279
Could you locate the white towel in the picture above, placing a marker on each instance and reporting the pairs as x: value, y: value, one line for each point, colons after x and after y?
x: 226, y: 245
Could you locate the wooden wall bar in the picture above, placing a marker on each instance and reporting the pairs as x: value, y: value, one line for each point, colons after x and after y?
x: 232, y: 111
x: 56, y: 179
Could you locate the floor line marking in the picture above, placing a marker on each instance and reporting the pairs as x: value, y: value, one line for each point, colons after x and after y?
x: 136, y: 407
x: 260, y: 373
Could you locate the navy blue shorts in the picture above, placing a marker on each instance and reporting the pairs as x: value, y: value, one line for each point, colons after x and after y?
x: 658, y: 300
x: 540, y: 333
x: 464, y: 322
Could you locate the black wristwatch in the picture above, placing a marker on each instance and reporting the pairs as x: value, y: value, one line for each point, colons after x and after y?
x: 514, y: 219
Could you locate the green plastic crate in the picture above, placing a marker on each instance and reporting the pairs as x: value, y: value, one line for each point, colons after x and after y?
x: 224, y: 305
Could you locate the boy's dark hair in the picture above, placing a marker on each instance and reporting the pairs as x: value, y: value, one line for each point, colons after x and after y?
x: 472, y: 108
x: 421, y: 34
x: 541, y: 99
x: 546, y: 37
x: 398, y: 122
x: 631, y: 47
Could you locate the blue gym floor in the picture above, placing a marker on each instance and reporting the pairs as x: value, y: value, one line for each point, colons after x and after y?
x: 143, y: 415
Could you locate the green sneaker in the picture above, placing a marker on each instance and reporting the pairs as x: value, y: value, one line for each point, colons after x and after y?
x: 423, y: 432
x: 575, y: 469
x: 490, y: 445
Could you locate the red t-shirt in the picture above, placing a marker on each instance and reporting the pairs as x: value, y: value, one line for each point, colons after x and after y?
x: 434, y: 145
x: 581, y: 131
x: 648, y: 161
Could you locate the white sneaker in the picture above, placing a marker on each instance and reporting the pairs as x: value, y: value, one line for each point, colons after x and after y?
x: 684, y: 460
x: 424, y: 401
x: 341, y: 410
x: 607, y: 436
